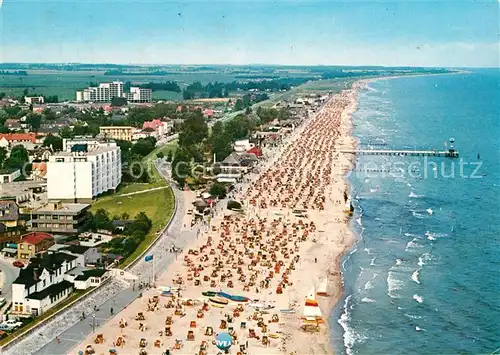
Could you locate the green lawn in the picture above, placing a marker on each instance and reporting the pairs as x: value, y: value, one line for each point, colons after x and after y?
x: 157, y: 205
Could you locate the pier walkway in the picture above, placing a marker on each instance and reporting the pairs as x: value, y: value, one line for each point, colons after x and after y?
x: 403, y: 153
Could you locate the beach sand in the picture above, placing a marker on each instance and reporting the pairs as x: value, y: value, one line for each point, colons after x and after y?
x: 271, y: 253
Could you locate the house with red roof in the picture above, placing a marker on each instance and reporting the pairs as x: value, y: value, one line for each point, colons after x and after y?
x: 208, y: 113
x: 34, y: 243
x: 12, y: 139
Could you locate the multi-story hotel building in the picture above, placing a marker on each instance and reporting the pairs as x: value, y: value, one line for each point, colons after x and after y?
x: 139, y: 95
x: 83, y: 171
x: 106, y: 91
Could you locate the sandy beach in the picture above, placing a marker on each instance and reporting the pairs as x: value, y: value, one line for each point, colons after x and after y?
x: 283, y: 248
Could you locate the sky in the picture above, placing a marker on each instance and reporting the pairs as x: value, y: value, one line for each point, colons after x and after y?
x: 309, y: 32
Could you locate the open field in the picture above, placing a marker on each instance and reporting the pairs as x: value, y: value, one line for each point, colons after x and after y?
x: 65, y: 83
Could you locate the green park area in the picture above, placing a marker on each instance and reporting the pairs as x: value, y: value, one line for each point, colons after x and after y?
x: 155, y: 199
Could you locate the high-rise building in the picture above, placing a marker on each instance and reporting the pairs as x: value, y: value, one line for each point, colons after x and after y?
x: 137, y: 94
x: 83, y: 171
x: 106, y: 91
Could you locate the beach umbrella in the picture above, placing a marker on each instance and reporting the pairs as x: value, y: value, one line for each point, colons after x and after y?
x: 223, y: 341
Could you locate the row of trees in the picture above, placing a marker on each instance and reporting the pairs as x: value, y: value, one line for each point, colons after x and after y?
x: 196, y: 144
x: 218, y: 89
x: 132, y: 155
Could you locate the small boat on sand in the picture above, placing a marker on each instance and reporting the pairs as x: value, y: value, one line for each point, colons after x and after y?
x: 233, y: 298
x: 287, y: 310
x: 219, y: 300
x: 209, y: 293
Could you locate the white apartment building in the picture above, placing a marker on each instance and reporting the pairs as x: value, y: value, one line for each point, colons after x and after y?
x: 139, y: 95
x: 102, y: 93
x: 34, y: 99
x: 106, y: 91
x: 83, y: 171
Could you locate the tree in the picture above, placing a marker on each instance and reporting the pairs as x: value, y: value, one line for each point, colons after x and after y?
x: 160, y: 155
x: 34, y: 120
x: 52, y: 141
x: 144, y: 146
x: 187, y: 95
x: 101, y: 220
x: 218, y: 189
x: 180, y: 167
x: 248, y: 110
x: 18, y: 157
x: 66, y: 132
x: 141, y: 226
x: 220, y: 142
x: 194, y: 130
x: 118, y: 101
x: 170, y: 155
x: 48, y: 114
x: 3, y: 155
x: 238, y: 106
x: 3, y: 117
x: 51, y: 99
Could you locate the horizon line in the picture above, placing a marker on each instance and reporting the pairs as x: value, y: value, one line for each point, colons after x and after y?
x: 254, y: 64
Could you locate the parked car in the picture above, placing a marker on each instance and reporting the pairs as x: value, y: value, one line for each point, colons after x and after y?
x: 18, y: 263
x: 11, y: 324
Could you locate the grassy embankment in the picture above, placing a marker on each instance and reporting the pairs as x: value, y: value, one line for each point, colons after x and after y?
x: 158, y: 204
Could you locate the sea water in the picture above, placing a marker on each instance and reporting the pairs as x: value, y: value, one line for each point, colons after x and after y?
x: 424, y: 277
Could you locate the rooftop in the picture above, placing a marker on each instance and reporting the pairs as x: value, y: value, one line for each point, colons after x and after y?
x: 76, y: 249
x: 91, y: 151
x: 51, y: 290
x: 9, y: 210
x: 19, y: 137
x: 35, y: 237
x: 62, y: 208
x: 90, y: 273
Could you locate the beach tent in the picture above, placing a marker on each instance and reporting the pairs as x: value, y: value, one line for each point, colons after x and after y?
x: 311, y: 308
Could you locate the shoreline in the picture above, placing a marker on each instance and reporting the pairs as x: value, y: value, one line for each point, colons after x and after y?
x: 322, y: 255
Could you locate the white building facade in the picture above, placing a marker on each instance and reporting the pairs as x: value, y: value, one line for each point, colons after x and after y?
x: 139, y: 95
x: 106, y: 91
x: 83, y: 171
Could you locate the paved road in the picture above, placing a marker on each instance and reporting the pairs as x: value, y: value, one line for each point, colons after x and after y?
x: 69, y: 327
x: 9, y: 274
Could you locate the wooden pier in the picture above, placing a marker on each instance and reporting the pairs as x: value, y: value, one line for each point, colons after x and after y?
x: 451, y: 153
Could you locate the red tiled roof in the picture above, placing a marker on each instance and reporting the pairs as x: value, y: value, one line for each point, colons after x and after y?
x: 35, y: 238
x: 154, y: 124
x: 17, y: 137
x: 256, y: 151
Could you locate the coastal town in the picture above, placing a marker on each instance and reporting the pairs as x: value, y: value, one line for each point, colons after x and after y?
x: 63, y: 161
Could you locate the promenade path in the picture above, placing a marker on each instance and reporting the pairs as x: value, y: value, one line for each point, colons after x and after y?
x: 143, y: 191
x: 117, y: 294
